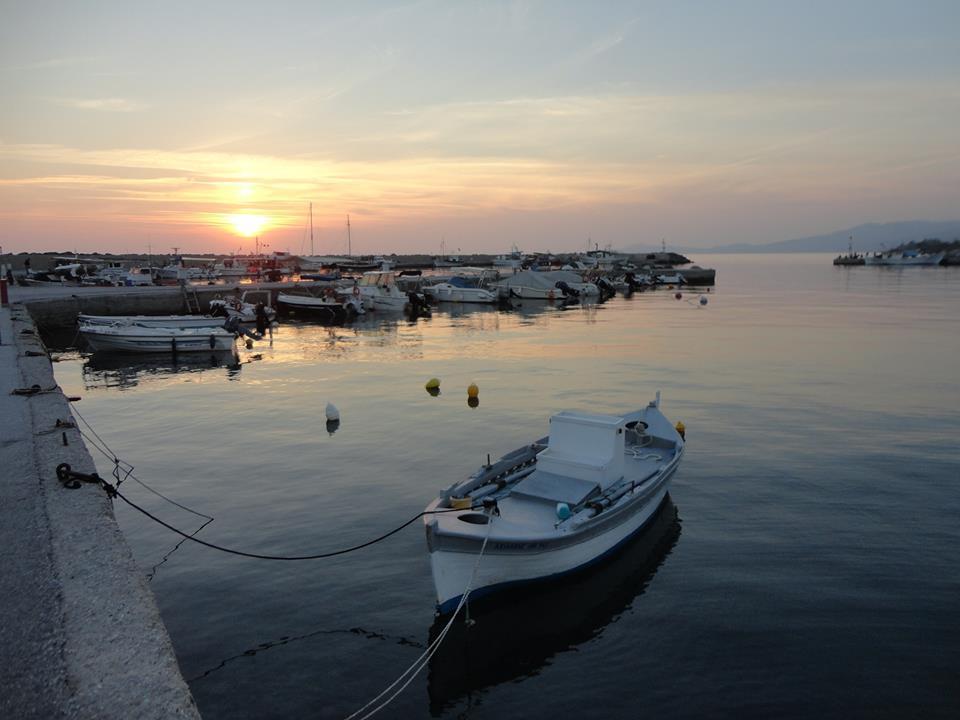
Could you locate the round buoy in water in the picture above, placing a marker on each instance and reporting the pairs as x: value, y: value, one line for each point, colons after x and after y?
x: 433, y: 383
x: 703, y: 299
x: 473, y: 390
x: 332, y: 426
x: 332, y: 412
x: 678, y: 296
x: 473, y: 401
x: 433, y: 391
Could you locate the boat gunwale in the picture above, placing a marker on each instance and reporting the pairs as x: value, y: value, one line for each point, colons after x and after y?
x: 601, y: 522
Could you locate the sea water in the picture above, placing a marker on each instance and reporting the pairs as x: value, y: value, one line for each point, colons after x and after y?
x: 806, y: 565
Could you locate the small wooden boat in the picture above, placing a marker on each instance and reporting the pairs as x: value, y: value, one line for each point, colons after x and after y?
x: 552, y: 507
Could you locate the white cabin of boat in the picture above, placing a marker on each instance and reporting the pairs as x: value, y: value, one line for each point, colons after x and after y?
x: 586, y: 447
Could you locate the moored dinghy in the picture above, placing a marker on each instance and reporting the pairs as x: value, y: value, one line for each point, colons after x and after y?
x: 552, y: 507
x: 131, y: 337
x: 172, y: 321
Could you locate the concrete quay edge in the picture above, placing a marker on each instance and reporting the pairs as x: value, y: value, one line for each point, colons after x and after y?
x: 80, y: 632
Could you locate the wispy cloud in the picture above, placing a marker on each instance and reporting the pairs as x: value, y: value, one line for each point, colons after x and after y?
x: 603, y: 44
x: 121, y: 105
x: 54, y: 63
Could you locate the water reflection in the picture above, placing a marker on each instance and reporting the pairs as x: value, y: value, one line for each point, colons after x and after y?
x: 515, y: 634
x: 122, y: 371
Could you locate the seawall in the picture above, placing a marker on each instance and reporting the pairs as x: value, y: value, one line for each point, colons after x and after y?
x: 58, y: 306
x: 80, y: 632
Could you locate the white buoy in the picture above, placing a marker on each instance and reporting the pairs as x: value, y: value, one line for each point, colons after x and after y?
x: 332, y: 412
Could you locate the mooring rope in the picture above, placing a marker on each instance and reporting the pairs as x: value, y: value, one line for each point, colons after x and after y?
x: 421, y: 662
x: 101, y: 445
x: 113, y: 492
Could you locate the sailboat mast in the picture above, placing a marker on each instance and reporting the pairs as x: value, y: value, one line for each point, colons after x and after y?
x: 349, y: 249
x: 311, y: 229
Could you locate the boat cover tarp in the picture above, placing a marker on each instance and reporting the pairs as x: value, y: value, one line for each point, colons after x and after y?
x: 567, y: 276
x: 547, y: 279
x: 551, y: 487
x: 530, y: 279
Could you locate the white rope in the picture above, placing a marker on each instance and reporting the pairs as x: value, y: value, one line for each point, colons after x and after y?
x: 422, y: 661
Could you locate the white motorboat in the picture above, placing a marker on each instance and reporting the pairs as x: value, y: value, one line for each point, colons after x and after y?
x: 141, y: 338
x: 330, y: 304
x: 551, y: 285
x: 378, y: 290
x: 673, y: 278
x: 552, y: 507
x: 172, y: 321
x: 460, y: 289
x: 241, y: 307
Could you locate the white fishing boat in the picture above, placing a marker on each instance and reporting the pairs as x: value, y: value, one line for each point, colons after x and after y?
x: 171, y: 321
x: 907, y: 258
x: 141, y: 338
x: 552, y: 507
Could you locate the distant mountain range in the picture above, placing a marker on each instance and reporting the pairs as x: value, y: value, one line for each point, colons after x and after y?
x: 866, y: 238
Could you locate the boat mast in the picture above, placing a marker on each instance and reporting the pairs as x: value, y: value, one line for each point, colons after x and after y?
x: 349, y: 253
x: 311, y: 228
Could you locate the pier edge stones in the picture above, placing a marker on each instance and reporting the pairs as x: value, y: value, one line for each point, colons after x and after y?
x: 109, y: 653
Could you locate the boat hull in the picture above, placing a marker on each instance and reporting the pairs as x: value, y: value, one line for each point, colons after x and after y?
x: 132, y: 341
x: 318, y: 306
x: 452, y: 293
x: 505, y: 565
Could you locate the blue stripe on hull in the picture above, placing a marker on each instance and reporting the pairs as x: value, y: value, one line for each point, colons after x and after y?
x: 450, y: 605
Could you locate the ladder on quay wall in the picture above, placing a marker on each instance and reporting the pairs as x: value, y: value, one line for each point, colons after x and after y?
x: 191, y: 299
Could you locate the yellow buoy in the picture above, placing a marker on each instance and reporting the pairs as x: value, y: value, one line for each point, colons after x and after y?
x: 473, y: 390
x: 681, y: 429
x: 433, y: 384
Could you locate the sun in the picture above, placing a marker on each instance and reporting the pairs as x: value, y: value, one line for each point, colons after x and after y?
x: 247, y: 225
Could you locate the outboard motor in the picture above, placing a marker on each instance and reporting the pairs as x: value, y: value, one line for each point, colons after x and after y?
x: 566, y: 289
x: 232, y: 325
x: 607, y: 290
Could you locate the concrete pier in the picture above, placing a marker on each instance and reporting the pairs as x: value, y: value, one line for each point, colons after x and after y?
x: 80, y: 633
x: 57, y: 306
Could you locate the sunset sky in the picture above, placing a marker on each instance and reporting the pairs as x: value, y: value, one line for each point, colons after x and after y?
x: 201, y: 125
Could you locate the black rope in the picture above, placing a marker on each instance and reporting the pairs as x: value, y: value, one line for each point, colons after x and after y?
x: 113, y: 492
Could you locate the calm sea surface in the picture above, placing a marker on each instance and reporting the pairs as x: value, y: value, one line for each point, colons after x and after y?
x: 808, y: 564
